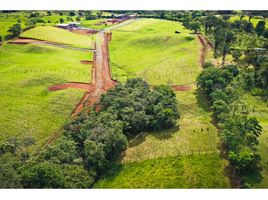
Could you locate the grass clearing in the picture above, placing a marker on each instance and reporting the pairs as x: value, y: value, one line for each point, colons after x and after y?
x: 154, y: 52
x: 27, y: 108
x: 53, y: 34
x: 169, y: 172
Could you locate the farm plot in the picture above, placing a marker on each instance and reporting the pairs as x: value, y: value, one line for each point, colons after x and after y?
x: 150, y: 49
x: 53, y: 34
x: 27, y: 108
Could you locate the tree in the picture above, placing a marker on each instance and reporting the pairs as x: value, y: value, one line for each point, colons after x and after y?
x: 1, y: 39
x: 162, y: 108
x: 229, y: 38
x: 71, y: 13
x: 63, y: 151
x: 48, y: 13
x: 77, y: 177
x: 211, y: 79
x: 260, y: 28
x: 61, y: 20
x: 42, y: 175
x: 218, y: 36
x: 99, y: 14
x: 94, y: 156
x: 195, y: 26
x: 9, y: 176
x: 247, y: 26
x: 15, y: 30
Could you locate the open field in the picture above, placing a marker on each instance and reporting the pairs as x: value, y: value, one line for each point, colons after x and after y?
x: 260, y: 109
x: 53, y: 34
x: 154, y: 52
x: 200, y: 171
x: 25, y: 73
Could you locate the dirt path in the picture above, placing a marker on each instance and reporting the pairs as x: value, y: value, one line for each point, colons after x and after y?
x: 101, y: 79
x: 206, y: 45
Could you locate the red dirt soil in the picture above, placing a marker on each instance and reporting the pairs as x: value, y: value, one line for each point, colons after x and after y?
x: 23, y: 41
x: 86, y: 62
x: 84, y: 32
x: 205, y: 46
x: 180, y: 87
x: 101, y: 78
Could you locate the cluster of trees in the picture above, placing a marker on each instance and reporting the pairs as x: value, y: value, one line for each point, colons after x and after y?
x: 239, y: 132
x: 91, y: 141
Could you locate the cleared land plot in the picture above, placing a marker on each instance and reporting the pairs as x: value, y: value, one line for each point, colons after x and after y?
x: 53, y: 34
x: 169, y: 172
x: 260, y: 109
x: 27, y: 108
x: 151, y: 160
x: 150, y: 49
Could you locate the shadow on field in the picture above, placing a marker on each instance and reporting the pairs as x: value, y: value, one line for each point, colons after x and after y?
x: 202, y: 101
x: 160, y: 135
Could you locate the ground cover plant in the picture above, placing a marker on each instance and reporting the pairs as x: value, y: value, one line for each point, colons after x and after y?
x: 27, y: 108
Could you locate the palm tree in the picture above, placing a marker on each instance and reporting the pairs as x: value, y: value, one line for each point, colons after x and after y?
x: 229, y: 38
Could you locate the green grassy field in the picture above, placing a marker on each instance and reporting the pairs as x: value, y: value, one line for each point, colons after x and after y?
x: 8, y: 20
x: 154, y: 52
x: 53, y: 34
x: 169, y: 172
x: 260, y: 108
x: 27, y: 108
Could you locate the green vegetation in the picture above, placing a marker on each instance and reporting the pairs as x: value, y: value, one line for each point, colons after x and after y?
x: 58, y: 35
x: 197, y: 171
x: 154, y: 52
x: 27, y: 108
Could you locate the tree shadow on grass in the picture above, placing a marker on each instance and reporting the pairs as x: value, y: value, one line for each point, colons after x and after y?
x: 202, y: 101
x: 160, y: 135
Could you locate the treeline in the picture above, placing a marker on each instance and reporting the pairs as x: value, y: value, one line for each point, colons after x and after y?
x: 92, y: 141
x: 239, y: 132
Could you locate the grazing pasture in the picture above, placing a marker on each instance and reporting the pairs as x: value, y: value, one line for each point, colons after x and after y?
x: 53, y: 34
x: 150, y: 49
x: 27, y: 108
x: 196, y: 171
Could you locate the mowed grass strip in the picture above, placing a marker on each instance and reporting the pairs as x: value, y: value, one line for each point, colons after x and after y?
x: 58, y: 35
x: 202, y: 171
x: 27, y: 107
